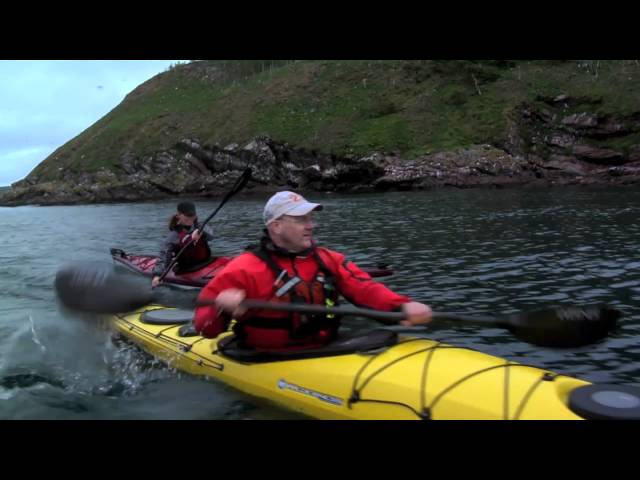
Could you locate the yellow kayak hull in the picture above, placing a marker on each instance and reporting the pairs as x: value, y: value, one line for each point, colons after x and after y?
x: 416, y: 378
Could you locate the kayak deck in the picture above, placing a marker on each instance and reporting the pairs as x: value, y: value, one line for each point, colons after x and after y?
x: 415, y: 378
x: 144, y: 264
x: 198, y: 277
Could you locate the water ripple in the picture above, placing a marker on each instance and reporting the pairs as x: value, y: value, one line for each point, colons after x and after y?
x: 493, y: 252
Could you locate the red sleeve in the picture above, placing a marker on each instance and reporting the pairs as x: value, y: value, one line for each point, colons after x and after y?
x: 358, y: 287
x: 206, y: 319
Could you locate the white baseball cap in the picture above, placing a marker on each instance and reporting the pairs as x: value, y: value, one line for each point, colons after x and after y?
x: 287, y: 203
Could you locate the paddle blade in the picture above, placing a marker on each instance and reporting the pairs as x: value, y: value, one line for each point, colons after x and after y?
x: 564, y: 327
x: 97, y: 288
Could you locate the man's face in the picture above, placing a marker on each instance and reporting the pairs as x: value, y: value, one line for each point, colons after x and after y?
x: 294, y: 233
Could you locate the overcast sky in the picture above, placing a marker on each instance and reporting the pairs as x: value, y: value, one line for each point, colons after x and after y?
x: 45, y: 103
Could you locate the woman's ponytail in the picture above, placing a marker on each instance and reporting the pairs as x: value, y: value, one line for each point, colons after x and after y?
x: 173, y: 222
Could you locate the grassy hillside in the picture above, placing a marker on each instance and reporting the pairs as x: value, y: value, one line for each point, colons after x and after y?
x: 412, y: 107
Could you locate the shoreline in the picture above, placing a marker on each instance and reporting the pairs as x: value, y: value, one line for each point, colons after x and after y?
x: 207, y: 172
x: 355, y: 191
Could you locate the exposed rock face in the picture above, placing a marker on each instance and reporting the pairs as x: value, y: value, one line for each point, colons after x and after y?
x: 554, y: 131
x: 544, y: 145
x: 569, y: 143
x: 477, y: 166
x: 194, y: 169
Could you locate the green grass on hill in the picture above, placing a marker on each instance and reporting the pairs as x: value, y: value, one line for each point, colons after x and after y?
x: 412, y: 107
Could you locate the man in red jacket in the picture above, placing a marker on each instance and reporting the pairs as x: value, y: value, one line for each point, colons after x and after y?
x: 288, y: 267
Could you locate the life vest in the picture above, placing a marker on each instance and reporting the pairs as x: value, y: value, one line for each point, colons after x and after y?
x: 274, y: 330
x: 194, y: 254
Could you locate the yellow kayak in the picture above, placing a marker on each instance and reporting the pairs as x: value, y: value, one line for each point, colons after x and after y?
x: 378, y: 375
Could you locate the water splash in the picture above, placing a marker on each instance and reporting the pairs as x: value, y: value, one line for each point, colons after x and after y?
x: 34, y: 336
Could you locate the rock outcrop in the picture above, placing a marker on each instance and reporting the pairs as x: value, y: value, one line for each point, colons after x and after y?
x: 554, y: 141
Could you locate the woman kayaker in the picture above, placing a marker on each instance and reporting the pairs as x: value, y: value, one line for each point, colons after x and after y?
x: 288, y: 267
x: 183, y: 226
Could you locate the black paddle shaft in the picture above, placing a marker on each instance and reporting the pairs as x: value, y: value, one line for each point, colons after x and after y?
x: 390, y: 318
x: 559, y: 327
x: 86, y: 287
x: 241, y: 182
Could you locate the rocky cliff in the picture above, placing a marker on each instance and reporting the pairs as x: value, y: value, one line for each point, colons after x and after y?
x: 555, y: 151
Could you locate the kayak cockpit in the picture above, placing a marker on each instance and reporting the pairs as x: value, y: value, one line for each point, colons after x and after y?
x: 369, y: 342
x: 363, y: 342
